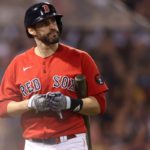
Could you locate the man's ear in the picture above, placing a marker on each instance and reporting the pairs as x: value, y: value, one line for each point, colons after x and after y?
x: 31, y: 31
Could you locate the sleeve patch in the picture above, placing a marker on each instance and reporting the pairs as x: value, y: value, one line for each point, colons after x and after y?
x: 99, y: 79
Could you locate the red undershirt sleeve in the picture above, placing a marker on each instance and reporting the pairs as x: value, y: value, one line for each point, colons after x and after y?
x: 101, y: 99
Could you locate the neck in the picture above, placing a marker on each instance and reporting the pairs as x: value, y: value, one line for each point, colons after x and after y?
x: 43, y: 50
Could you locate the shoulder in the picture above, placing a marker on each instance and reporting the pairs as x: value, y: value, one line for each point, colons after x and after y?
x: 19, y: 58
x: 22, y: 55
x: 73, y: 50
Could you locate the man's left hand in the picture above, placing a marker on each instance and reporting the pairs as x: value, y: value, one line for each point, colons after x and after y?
x: 59, y: 101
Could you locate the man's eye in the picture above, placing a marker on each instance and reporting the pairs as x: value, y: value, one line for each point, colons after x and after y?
x: 43, y: 23
x: 53, y: 20
x: 46, y: 22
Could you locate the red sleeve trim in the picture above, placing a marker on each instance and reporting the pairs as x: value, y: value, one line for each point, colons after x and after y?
x: 101, y: 99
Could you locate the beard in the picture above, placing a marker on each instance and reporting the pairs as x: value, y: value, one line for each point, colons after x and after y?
x: 50, y: 38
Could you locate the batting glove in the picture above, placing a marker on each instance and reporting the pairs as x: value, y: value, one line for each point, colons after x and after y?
x: 39, y: 102
x: 61, y: 102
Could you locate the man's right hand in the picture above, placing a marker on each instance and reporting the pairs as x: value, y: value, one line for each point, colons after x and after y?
x: 39, y: 102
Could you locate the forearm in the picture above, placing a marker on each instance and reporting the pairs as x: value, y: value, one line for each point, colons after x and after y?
x: 17, y: 108
x: 90, y: 106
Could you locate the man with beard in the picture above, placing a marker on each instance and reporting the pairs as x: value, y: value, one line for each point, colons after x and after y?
x: 39, y: 85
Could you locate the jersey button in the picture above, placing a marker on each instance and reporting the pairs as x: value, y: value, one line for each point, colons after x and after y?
x: 44, y: 71
x: 43, y: 63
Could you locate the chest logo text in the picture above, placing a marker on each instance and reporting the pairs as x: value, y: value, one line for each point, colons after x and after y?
x: 64, y: 82
x: 30, y: 87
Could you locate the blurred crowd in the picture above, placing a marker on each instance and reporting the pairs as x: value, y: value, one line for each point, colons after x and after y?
x: 123, y: 57
x: 139, y: 6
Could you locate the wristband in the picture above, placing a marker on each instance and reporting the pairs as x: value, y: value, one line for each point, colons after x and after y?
x: 30, y: 102
x: 74, y: 104
x: 68, y: 100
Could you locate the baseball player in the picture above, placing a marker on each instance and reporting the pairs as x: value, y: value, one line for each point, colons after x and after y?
x: 39, y: 85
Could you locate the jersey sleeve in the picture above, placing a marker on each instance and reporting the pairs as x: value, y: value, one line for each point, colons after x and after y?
x: 95, y: 81
x: 9, y: 91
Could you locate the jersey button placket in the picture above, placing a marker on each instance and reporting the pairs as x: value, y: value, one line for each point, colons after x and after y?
x: 44, y: 67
